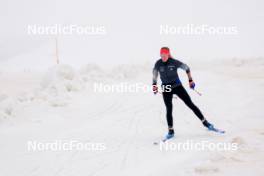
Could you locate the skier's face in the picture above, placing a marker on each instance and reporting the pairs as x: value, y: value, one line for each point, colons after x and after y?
x: 164, y: 57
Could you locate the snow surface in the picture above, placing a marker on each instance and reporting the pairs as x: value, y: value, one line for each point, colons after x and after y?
x: 60, y: 104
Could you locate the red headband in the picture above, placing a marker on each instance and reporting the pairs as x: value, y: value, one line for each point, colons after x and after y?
x: 164, y: 51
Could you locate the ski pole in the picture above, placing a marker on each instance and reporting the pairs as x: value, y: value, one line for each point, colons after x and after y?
x: 197, y: 92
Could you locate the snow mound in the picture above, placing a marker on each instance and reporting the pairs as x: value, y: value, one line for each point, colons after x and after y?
x: 92, y: 73
x: 7, y: 107
x: 60, y: 80
x: 57, y: 85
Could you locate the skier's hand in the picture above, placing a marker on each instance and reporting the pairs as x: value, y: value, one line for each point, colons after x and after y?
x: 155, y: 89
x: 191, y: 84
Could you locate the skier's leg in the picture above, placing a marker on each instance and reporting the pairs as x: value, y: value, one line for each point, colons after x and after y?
x: 167, y: 97
x: 184, y: 96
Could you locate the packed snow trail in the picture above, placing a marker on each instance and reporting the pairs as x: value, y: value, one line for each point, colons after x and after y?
x: 128, y: 123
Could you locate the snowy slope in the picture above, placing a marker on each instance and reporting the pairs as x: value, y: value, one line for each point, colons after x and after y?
x: 60, y: 105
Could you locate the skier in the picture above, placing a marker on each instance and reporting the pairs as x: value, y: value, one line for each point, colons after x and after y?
x: 167, y: 68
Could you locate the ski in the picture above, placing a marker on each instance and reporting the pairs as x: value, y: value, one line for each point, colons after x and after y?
x: 163, y: 140
x: 212, y: 128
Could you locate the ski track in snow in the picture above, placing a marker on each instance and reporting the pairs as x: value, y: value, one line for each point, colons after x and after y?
x: 128, y: 124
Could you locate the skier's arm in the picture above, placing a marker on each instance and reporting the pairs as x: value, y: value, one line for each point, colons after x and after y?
x: 188, y: 72
x: 189, y: 75
x: 191, y: 82
x: 154, y: 75
x: 154, y: 79
x: 184, y: 67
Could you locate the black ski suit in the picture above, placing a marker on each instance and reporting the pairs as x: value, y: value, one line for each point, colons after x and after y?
x: 169, y: 76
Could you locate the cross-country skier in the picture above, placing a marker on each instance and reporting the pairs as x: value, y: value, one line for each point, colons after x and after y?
x: 167, y: 67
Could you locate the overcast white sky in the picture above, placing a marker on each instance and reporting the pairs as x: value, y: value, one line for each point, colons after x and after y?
x: 133, y: 28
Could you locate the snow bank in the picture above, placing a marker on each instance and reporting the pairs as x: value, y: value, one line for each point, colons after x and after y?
x: 54, y: 90
x: 58, y: 83
x: 92, y: 72
x: 61, y: 79
x: 6, y: 107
